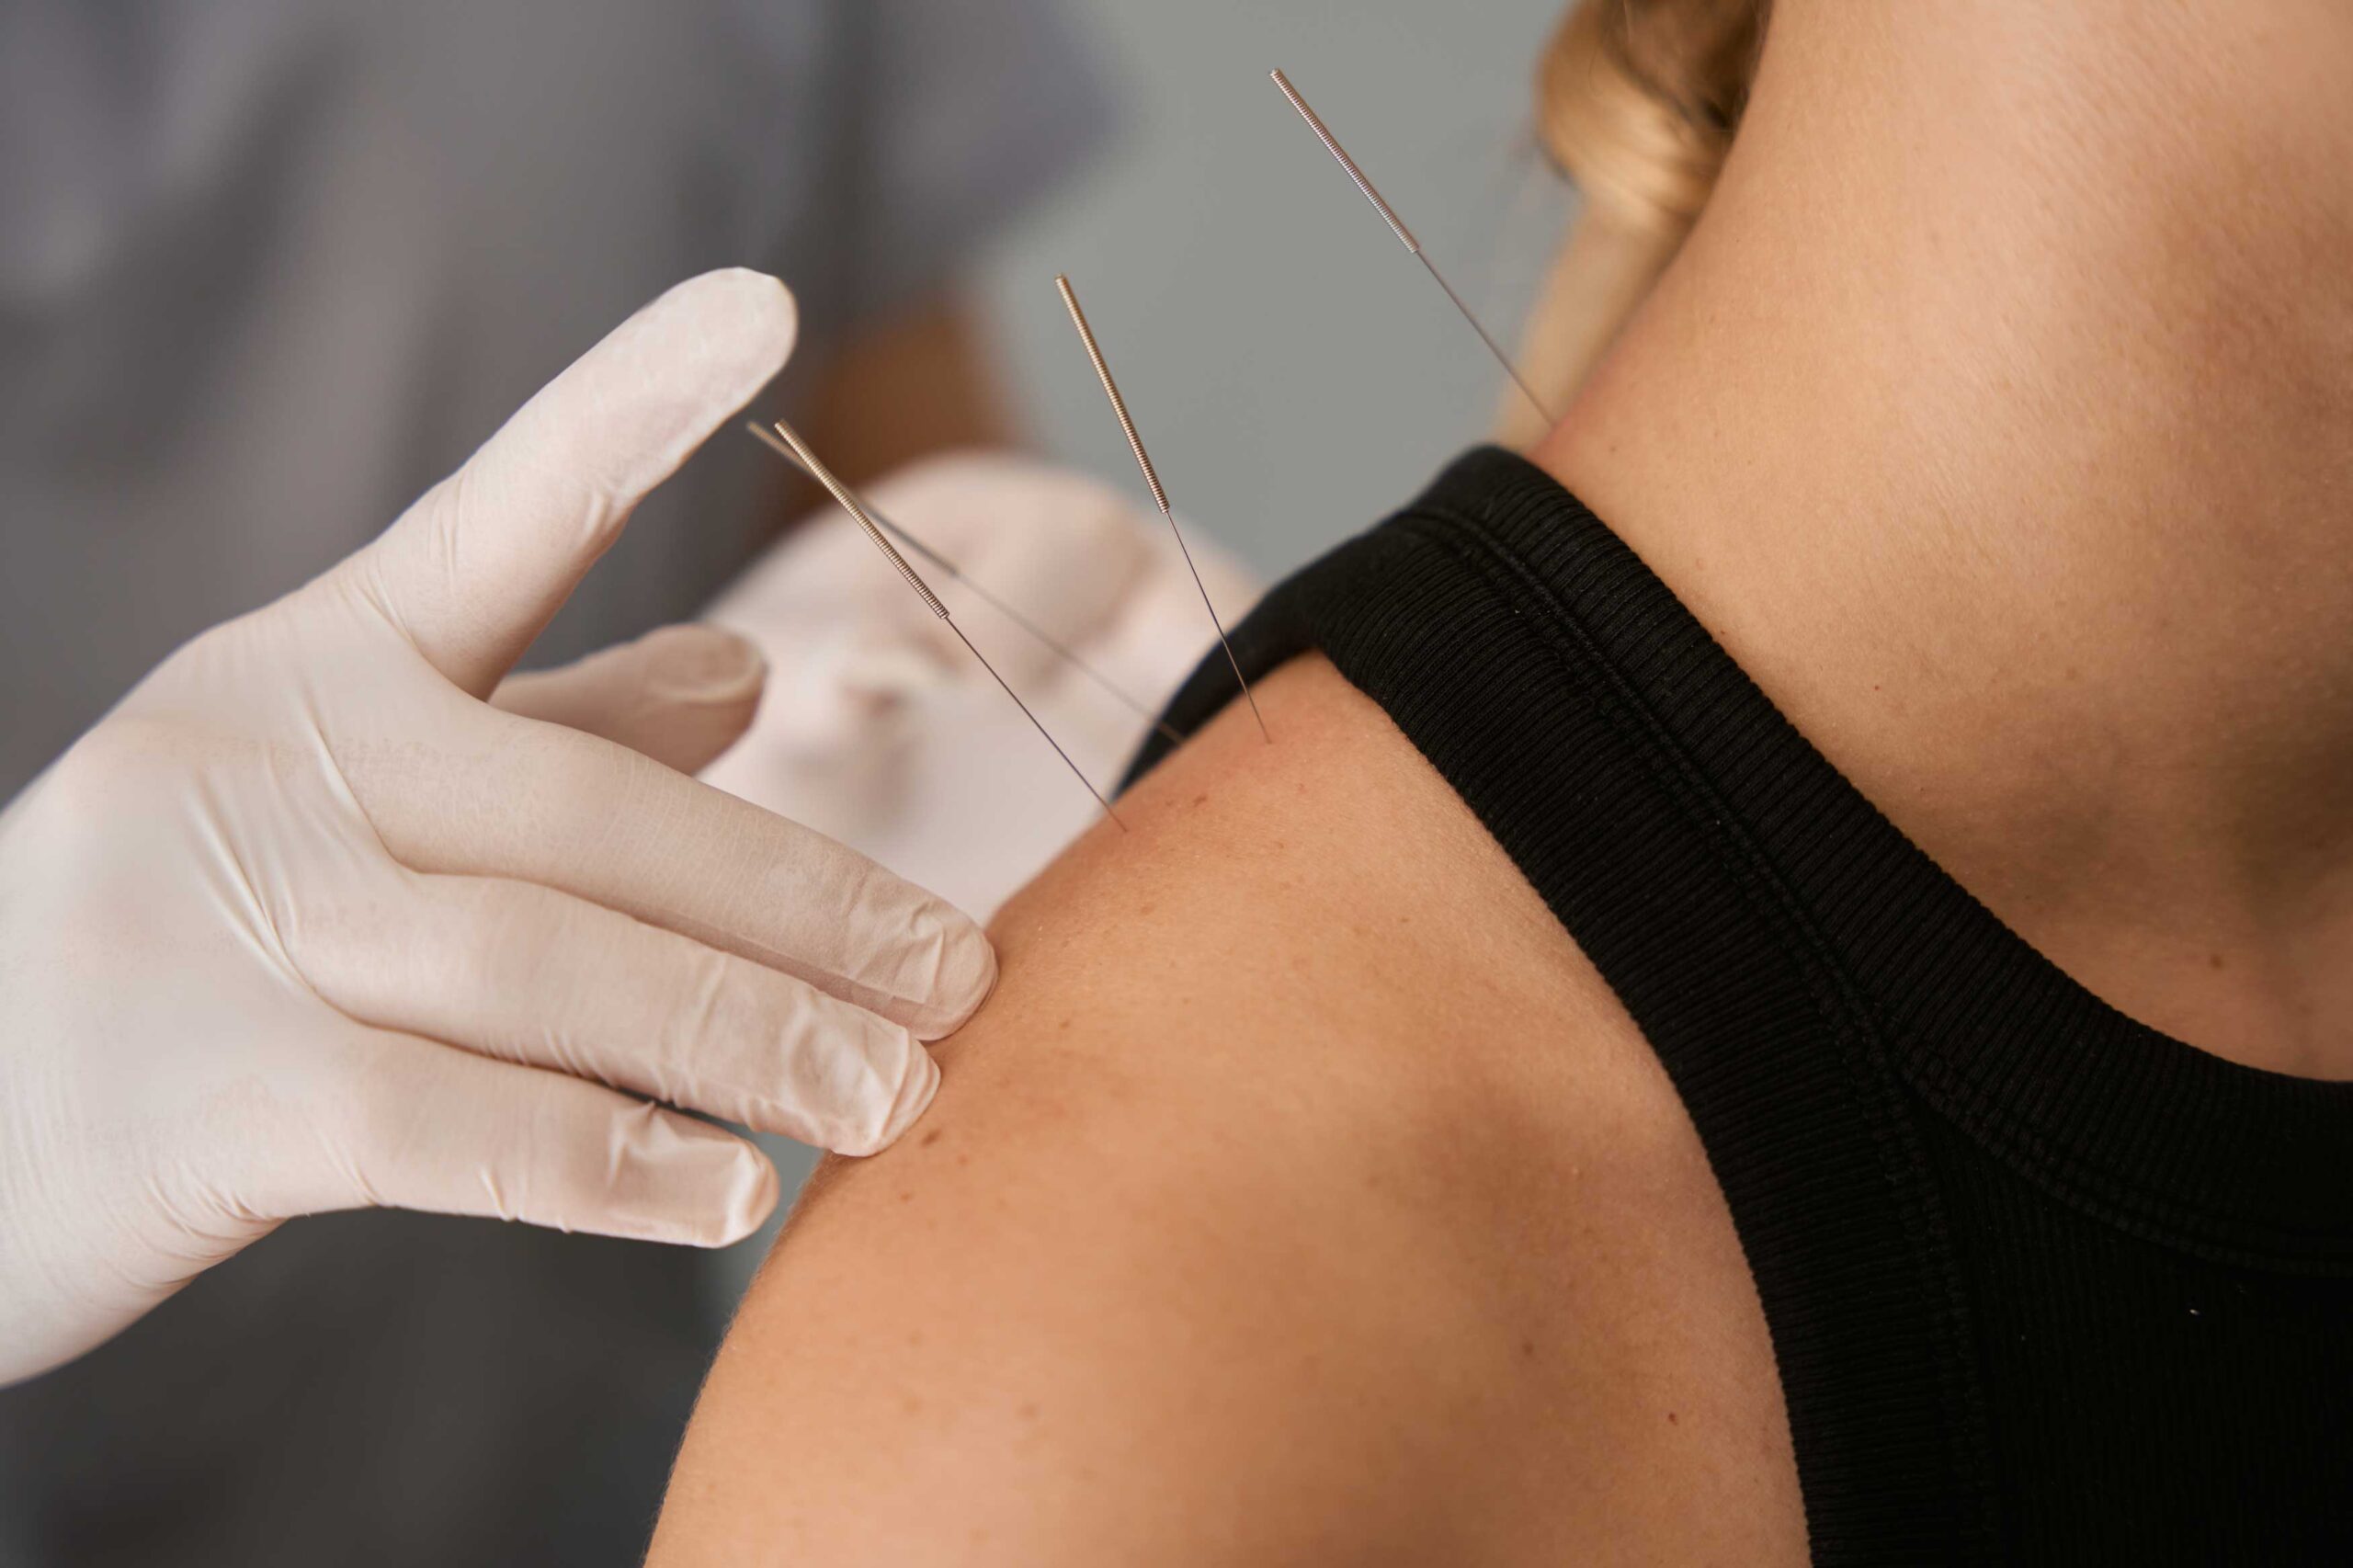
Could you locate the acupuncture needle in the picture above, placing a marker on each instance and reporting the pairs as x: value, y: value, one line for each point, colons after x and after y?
x: 1151, y: 480
x: 1045, y: 639
x: 858, y: 514
x: 1397, y: 227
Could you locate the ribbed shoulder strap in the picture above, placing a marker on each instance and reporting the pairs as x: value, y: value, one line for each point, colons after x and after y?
x: 1548, y: 673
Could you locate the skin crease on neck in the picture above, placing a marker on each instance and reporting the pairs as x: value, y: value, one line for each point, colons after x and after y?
x: 1997, y: 416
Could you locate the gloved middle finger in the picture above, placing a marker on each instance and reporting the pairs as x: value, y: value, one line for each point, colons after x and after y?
x: 502, y: 796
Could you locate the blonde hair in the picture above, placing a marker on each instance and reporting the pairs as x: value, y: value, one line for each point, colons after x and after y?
x: 1636, y: 103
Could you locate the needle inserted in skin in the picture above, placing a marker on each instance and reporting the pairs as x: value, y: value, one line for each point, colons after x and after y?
x: 858, y: 514
x: 1397, y: 226
x: 1045, y: 639
x: 1151, y: 479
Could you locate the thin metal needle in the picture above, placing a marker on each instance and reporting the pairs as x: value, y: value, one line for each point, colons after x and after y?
x: 1045, y: 639
x: 858, y: 514
x: 1159, y: 497
x: 1397, y: 226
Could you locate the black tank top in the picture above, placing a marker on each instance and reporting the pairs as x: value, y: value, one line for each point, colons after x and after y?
x: 2043, y: 1284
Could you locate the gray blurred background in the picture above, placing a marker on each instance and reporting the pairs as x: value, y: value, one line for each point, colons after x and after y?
x: 1291, y: 368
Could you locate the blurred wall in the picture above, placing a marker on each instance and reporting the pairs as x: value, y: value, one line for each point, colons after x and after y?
x: 1294, y: 372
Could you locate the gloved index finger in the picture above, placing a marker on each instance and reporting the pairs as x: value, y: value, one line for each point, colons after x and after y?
x: 483, y: 560
x: 538, y: 802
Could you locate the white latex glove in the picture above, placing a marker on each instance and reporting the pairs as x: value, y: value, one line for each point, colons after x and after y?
x: 879, y: 728
x: 305, y: 924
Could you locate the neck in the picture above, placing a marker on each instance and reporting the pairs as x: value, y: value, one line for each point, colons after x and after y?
x: 1998, y: 418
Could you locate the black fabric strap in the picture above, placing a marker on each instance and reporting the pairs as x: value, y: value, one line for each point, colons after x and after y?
x: 1811, y: 982
x: 1496, y: 680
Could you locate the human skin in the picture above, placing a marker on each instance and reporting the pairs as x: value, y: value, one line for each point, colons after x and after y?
x: 1304, y: 1195
x: 1301, y: 1194
x: 1999, y: 418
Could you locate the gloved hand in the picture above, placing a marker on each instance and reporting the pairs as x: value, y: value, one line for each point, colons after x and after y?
x: 305, y: 924
x: 879, y: 728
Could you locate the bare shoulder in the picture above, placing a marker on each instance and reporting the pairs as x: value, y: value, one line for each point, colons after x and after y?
x: 1301, y: 1194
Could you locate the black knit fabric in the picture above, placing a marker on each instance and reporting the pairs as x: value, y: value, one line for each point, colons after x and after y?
x: 2044, y: 1285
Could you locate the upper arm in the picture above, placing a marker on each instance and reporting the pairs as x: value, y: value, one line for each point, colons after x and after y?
x: 1213, y: 1247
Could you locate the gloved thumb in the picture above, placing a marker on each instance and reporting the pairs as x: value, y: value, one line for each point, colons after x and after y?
x: 474, y: 570
x: 680, y: 695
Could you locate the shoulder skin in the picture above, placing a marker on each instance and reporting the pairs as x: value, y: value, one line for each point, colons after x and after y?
x: 1302, y: 1194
